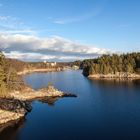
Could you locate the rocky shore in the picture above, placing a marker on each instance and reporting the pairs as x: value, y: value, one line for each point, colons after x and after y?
x: 29, y: 94
x: 117, y: 75
x: 19, y: 103
x: 13, y: 109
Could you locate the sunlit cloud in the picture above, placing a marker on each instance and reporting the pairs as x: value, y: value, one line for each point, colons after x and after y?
x: 34, y: 48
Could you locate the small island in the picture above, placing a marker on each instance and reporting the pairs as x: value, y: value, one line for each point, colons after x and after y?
x: 113, y: 66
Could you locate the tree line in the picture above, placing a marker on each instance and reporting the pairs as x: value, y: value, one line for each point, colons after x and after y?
x: 112, y: 64
x: 9, y: 80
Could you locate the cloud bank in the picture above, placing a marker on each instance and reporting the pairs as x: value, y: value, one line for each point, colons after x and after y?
x: 34, y: 48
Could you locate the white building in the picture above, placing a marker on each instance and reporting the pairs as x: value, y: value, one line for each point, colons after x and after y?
x: 53, y: 64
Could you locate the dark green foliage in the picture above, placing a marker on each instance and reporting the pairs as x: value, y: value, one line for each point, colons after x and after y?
x: 112, y: 64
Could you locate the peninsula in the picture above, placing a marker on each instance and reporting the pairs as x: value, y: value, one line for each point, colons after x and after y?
x: 16, y: 96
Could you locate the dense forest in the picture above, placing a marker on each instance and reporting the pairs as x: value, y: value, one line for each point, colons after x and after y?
x: 112, y: 64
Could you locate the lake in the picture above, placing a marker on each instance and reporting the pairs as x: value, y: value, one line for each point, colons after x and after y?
x: 104, y: 109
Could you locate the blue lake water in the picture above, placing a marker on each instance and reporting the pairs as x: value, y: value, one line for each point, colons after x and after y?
x: 103, y: 110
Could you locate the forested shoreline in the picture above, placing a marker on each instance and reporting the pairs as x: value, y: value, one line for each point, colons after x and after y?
x: 112, y: 64
x: 15, y: 95
x: 9, y: 80
x: 11, y: 71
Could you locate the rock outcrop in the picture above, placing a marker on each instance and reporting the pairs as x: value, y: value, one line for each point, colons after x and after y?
x: 116, y: 75
x: 19, y: 105
x: 13, y: 109
x: 28, y: 94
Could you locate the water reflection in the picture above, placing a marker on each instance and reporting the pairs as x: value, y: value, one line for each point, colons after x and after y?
x: 49, y: 100
x: 116, y: 82
x: 104, y: 109
x: 10, y: 130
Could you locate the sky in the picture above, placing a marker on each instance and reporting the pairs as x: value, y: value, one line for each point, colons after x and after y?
x: 68, y: 30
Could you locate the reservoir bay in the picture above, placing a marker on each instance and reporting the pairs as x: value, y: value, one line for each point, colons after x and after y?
x: 104, y: 109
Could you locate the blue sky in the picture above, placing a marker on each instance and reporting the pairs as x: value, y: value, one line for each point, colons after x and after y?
x: 69, y: 30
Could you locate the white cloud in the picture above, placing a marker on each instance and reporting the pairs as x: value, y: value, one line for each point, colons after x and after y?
x: 40, y: 57
x: 34, y: 48
x: 28, y: 56
x: 83, y: 16
x: 24, y: 31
